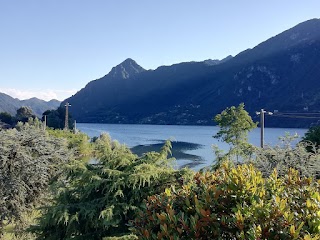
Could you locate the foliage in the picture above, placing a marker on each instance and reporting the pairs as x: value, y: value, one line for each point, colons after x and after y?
x: 18, y: 231
x: 125, y: 237
x: 7, y: 118
x: 56, y: 118
x: 98, y: 198
x: 78, y: 143
x: 285, y: 156
x: 29, y: 159
x: 24, y: 113
x: 313, y: 136
x: 235, y: 123
x: 234, y: 203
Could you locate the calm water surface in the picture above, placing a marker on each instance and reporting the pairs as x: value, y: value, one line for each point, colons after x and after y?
x: 133, y: 135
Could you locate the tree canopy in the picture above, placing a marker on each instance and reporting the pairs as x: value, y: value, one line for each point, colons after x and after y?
x: 235, y: 124
x: 313, y: 136
x: 56, y: 118
x: 29, y: 159
x: 99, y: 197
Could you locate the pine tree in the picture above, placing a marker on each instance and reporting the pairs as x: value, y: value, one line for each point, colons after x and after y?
x: 97, y: 199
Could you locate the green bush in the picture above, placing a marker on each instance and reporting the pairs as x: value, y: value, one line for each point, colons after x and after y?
x: 284, y: 156
x: 234, y: 203
x: 78, y: 143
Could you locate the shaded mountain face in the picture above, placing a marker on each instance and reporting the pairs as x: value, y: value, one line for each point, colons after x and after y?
x: 38, y: 106
x: 126, y: 69
x: 281, y: 74
x: 211, y: 62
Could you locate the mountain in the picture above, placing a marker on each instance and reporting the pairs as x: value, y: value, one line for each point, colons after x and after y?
x: 280, y: 74
x: 211, y: 62
x: 126, y: 69
x: 38, y: 106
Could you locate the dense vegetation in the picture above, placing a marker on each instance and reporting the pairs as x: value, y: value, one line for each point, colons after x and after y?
x: 234, y: 203
x: 56, y: 118
x: 29, y: 160
x: 23, y: 114
x: 98, y: 198
x: 55, y: 184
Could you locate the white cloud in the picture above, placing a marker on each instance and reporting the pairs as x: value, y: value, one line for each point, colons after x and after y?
x: 45, y: 94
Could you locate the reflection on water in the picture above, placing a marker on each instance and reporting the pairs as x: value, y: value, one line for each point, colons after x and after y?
x: 179, y: 152
x: 191, y: 145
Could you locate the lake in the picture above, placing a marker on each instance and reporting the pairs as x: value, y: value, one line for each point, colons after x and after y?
x: 192, y: 145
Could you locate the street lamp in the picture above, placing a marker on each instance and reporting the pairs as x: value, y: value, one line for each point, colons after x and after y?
x: 261, y: 113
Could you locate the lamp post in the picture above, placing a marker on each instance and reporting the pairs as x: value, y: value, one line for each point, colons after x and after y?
x: 261, y: 113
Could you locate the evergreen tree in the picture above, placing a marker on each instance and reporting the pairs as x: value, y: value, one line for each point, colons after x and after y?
x: 56, y: 118
x: 29, y: 159
x: 97, y: 199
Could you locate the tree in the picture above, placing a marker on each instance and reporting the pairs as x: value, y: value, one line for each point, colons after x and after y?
x: 313, y: 136
x: 235, y: 124
x: 29, y: 160
x: 6, y: 118
x: 24, y: 113
x: 97, y: 199
x: 56, y: 118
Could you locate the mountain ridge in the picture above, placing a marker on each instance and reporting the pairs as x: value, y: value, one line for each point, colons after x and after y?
x: 10, y: 105
x: 271, y: 75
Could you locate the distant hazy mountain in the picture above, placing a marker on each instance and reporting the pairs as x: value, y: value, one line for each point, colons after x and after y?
x: 281, y: 74
x: 38, y: 106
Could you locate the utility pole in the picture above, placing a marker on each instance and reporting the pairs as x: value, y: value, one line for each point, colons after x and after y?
x: 261, y: 113
x: 66, y: 120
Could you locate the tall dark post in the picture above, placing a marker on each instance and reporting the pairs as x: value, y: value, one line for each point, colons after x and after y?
x: 262, y: 127
x: 66, y: 120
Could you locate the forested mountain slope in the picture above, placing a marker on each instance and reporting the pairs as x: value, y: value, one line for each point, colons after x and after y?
x: 281, y: 74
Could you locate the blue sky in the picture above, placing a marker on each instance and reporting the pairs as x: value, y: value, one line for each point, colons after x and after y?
x: 51, y: 49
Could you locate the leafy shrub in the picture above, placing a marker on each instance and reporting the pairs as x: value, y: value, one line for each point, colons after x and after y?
x: 98, y: 199
x: 78, y: 143
x: 234, y: 203
x: 285, y: 156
